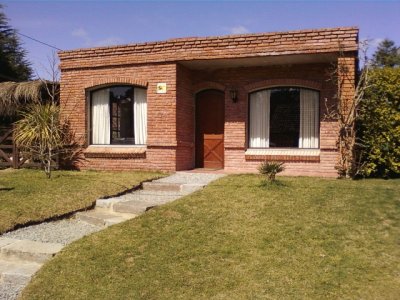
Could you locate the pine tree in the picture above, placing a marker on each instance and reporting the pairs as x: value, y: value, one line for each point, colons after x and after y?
x: 387, y: 54
x: 13, y: 63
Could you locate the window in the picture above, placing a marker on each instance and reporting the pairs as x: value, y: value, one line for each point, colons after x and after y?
x: 286, y: 117
x: 119, y: 116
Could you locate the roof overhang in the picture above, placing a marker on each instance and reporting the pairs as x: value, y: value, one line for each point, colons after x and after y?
x: 214, y: 64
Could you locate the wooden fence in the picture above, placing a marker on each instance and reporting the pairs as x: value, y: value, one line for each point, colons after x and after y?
x: 10, y: 156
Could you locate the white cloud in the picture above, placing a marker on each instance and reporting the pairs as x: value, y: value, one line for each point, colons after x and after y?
x: 108, y: 42
x: 82, y: 34
x: 240, y: 29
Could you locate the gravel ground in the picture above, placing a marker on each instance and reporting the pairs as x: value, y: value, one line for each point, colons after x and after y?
x: 63, y: 231
x: 9, y: 291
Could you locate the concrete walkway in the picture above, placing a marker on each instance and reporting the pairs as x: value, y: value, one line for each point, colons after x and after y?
x: 23, y: 251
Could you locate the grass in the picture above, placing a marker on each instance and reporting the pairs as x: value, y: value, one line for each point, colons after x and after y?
x: 28, y: 196
x: 241, y: 239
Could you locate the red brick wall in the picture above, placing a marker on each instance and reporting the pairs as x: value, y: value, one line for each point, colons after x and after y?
x: 325, y: 168
x: 155, y: 159
x: 161, y: 140
x: 171, y: 123
x: 185, y: 119
x: 171, y: 116
x: 246, y: 80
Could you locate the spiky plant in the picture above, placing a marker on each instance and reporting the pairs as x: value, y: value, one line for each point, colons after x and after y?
x: 270, y: 169
x: 40, y: 134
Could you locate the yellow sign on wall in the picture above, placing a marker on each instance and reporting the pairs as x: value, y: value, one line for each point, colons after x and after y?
x: 161, y: 88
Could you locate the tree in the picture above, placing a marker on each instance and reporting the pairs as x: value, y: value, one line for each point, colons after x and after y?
x: 379, y: 120
x: 13, y: 63
x: 41, y: 133
x: 369, y: 121
x: 387, y: 54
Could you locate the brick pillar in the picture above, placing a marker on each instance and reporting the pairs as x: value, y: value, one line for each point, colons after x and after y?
x: 346, y: 82
x: 346, y: 93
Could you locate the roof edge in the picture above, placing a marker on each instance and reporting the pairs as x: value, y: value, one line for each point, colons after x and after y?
x: 208, y: 38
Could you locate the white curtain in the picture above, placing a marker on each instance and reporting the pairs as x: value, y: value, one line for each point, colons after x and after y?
x: 140, y: 116
x: 259, y: 119
x: 101, y: 117
x: 309, y: 119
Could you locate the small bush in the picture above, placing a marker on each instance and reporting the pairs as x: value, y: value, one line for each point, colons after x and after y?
x: 270, y: 169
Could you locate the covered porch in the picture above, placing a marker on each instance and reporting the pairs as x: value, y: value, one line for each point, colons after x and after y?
x: 234, y: 113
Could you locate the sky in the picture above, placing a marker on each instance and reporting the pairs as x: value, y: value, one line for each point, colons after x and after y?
x: 79, y: 24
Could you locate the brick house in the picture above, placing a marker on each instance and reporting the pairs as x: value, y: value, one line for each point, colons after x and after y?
x: 215, y: 102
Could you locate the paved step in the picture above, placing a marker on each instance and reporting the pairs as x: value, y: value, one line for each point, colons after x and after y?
x: 145, y: 195
x: 17, y: 272
x: 101, y: 217
x: 137, y: 206
x: 15, y: 249
x: 190, y: 178
x: 172, y: 186
x: 153, y: 198
x: 162, y: 186
x: 157, y: 192
x: 141, y: 201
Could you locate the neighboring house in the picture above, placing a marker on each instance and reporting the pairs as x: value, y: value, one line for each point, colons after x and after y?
x: 215, y: 102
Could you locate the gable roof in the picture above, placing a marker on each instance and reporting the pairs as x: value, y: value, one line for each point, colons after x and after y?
x: 313, y: 41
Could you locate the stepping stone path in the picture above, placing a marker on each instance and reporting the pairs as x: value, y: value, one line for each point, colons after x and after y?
x: 23, y: 251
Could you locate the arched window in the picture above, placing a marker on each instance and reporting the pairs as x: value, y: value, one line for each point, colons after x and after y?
x: 284, y: 117
x: 118, y: 115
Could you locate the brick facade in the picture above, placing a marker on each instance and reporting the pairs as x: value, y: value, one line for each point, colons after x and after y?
x: 191, y: 65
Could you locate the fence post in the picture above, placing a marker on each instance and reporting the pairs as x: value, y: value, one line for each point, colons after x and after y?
x: 15, y: 151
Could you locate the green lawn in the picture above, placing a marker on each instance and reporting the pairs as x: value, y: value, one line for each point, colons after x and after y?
x: 238, y: 239
x: 28, y: 196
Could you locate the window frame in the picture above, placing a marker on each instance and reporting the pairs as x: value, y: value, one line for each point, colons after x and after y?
x: 109, y: 106
x: 282, y: 87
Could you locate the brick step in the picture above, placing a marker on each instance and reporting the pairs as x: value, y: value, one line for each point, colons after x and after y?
x: 17, y: 272
x: 101, y: 217
x: 32, y: 251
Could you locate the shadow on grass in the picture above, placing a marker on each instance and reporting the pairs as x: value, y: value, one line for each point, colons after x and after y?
x: 6, y: 189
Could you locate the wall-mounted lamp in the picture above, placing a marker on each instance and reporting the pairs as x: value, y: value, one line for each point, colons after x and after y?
x: 234, y: 97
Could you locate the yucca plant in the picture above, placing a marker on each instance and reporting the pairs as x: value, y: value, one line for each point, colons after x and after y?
x: 270, y: 169
x: 40, y: 133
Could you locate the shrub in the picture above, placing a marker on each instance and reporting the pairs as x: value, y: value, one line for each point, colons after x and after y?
x: 40, y: 134
x: 380, y: 124
x: 270, y: 169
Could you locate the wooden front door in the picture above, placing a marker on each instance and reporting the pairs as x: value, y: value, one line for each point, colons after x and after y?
x: 210, y: 116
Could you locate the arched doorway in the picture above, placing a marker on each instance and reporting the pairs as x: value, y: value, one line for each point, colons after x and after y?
x: 210, y: 119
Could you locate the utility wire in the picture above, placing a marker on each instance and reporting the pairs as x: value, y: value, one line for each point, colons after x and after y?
x: 33, y: 39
